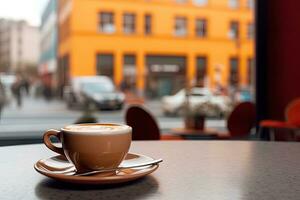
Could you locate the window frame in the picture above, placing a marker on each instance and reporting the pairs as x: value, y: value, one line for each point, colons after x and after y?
x: 184, y: 21
x: 234, y: 81
x: 109, y: 21
x: 148, y: 27
x: 203, y: 29
x: 234, y: 34
x: 129, y: 26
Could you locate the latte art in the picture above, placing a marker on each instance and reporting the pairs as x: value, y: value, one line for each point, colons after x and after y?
x: 98, y: 128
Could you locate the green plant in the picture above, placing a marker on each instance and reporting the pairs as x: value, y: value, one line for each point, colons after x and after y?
x: 207, y: 109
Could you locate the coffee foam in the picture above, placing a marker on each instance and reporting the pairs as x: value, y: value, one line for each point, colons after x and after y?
x: 97, y: 129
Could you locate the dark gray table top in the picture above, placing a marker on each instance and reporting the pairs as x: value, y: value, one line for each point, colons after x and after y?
x: 191, y: 170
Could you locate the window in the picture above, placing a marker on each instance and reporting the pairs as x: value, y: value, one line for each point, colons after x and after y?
x: 201, y: 27
x: 105, y: 64
x: 250, y: 66
x: 149, y: 48
x: 129, y: 73
x: 234, y: 72
x: 201, y: 71
x: 250, y: 4
x: 200, y: 2
x: 234, y: 30
x: 180, y: 26
x: 107, y: 22
x: 129, y: 23
x: 233, y: 3
x: 250, y: 31
x: 148, y: 24
x: 181, y: 1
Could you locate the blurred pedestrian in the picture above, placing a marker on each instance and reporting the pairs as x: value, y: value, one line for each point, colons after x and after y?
x: 16, y: 90
x: 2, y: 98
x: 47, y: 91
x: 26, y: 85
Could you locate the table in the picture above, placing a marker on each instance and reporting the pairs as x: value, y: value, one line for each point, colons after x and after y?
x: 195, y: 134
x: 191, y: 170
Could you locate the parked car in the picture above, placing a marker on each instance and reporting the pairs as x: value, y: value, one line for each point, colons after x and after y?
x: 98, y: 90
x: 175, y: 104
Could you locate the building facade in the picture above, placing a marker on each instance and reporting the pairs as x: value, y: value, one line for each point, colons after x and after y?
x: 48, y: 44
x: 157, y: 47
x: 19, y: 46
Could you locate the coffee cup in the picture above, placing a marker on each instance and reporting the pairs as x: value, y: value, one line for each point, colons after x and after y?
x: 92, y: 146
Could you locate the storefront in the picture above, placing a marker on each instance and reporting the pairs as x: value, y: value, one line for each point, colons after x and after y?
x: 165, y: 75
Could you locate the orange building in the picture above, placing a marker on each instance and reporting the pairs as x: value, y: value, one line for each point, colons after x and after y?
x: 155, y: 46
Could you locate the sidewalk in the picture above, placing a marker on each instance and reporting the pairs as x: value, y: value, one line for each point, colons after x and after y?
x: 35, y: 116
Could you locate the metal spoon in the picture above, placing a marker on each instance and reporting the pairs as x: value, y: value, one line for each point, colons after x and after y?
x: 153, y: 162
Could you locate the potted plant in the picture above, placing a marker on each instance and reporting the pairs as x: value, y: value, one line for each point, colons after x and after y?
x: 195, y: 119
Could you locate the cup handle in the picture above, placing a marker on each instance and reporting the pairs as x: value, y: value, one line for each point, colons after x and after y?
x: 48, y: 142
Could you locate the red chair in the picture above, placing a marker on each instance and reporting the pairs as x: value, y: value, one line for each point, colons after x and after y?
x: 144, y: 126
x: 240, y: 121
x: 292, y: 123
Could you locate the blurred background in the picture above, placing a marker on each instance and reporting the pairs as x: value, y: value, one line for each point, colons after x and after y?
x: 73, y: 61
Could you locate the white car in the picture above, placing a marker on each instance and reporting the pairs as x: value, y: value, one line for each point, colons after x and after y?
x: 175, y: 105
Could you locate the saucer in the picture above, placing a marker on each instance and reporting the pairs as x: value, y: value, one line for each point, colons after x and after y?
x: 59, y: 168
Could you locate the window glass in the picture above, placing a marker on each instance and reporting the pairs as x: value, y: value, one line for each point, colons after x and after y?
x: 200, y: 2
x: 201, y: 27
x: 181, y: 1
x: 105, y: 64
x: 129, y: 23
x: 154, y: 53
x: 234, y: 30
x: 251, y: 4
x: 234, y: 72
x: 250, y: 31
x: 107, y: 22
x: 201, y: 71
x: 250, y: 67
x: 233, y: 3
x: 148, y: 24
x: 129, y: 73
x: 180, y: 26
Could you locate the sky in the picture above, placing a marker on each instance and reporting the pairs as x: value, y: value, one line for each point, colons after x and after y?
x: 29, y: 10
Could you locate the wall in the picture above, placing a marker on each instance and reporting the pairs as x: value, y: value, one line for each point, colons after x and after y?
x: 278, y: 56
x: 85, y: 41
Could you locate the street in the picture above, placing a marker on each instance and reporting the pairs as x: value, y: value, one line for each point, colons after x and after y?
x: 37, y: 115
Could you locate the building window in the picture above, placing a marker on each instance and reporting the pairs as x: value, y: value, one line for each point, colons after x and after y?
x: 201, y: 27
x: 129, y: 73
x: 233, y: 3
x: 234, y: 30
x: 165, y: 75
x: 107, y: 24
x: 250, y: 65
x: 105, y: 64
x: 250, y: 31
x: 251, y: 4
x: 201, y: 71
x: 234, y: 72
x: 180, y: 26
x: 148, y: 24
x: 129, y: 23
x: 200, y: 2
x: 181, y: 1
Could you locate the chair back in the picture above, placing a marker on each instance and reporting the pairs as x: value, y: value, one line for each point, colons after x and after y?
x: 242, y: 119
x: 144, y: 126
x: 292, y: 112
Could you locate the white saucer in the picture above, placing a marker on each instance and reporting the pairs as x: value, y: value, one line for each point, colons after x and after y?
x: 59, y: 168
